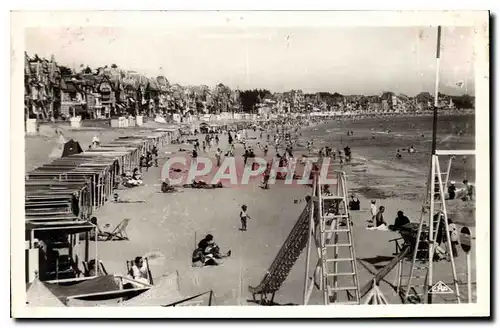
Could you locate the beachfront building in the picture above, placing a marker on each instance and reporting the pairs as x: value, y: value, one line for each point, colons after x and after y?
x: 88, y: 84
x: 385, y: 105
x: 158, y: 94
x: 108, y: 95
x: 73, y: 98
x: 295, y: 101
x: 41, y: 81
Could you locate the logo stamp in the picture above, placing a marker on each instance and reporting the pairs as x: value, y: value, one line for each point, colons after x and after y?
x: 440, y: 288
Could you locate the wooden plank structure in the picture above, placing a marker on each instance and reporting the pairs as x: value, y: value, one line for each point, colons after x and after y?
x: 61, y: 196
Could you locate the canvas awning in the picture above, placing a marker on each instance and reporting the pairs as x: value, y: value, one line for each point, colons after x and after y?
x: 100, y: 284
x: 69, y: 227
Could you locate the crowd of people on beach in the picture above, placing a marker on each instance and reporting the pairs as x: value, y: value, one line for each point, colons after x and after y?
x: 286, y: 138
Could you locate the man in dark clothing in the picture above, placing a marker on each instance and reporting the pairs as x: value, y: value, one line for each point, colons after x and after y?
x: 354, y: 204
x: 400, y: 221
x: 451, y: 190
x: 194, y: 156
x: 347, y: 152
x: 154, y: 151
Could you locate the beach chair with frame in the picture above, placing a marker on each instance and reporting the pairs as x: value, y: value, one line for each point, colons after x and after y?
x: 118, y: 233
x: 130, y: 264
x: 101, y: 270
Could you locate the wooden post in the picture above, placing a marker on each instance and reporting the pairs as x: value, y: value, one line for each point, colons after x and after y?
x: 101, y: 189
x: 93, y: 192
x: 308, y: 252
x: 430, y: 238
x: 97, y: 262
x: 87, y: 245
x: 469, y: 278
x: 398, y: 285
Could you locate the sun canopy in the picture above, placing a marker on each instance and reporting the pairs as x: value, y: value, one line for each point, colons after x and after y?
x: 70, y: 227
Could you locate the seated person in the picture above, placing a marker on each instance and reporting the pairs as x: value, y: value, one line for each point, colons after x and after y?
x: 380, y: 224
x: 134, y: 180
x: 208, y: 252
x: 166, y: 187
x: 139, y: 270
x: 400, y: 221
x: 354, y: 204
x: 93, y: 270
x: 136, y: 175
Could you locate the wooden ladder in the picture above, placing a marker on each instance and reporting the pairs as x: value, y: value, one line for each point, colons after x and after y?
x: 338, y: 255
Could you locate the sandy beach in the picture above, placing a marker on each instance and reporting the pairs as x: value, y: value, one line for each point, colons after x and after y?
x: 167, y: 226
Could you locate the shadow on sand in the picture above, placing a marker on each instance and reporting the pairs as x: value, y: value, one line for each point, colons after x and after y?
x: 377, y: 259
x: 269, y: 303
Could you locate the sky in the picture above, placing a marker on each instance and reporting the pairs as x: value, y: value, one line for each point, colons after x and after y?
x: 347, y: 60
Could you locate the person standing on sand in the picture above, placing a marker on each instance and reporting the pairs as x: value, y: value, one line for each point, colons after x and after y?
x: 194, y: 156
x: 218, y: 156
x: 267, y: 174
x: 243, y: 217
x: 154, y: 152
x: 373, y: 210
x: 469, y: 189
x: 451, y: 190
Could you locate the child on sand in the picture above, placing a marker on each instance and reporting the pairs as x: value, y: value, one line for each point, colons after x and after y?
x: 243, y: 217
x: 373, y: 211
x: 218, y: 155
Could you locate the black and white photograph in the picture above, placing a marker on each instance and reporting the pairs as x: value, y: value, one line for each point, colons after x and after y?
x: 266, y: 161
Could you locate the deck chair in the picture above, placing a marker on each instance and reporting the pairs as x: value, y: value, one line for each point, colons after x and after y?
x: 118, y: 233
x: 101, y: 270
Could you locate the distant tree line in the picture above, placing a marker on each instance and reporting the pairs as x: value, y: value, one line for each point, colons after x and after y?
x: 463, y: 102
x: 250, y: 98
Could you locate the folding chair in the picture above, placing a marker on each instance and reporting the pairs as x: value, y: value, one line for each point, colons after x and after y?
x: 118, y: 233
x: 130, y: 264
